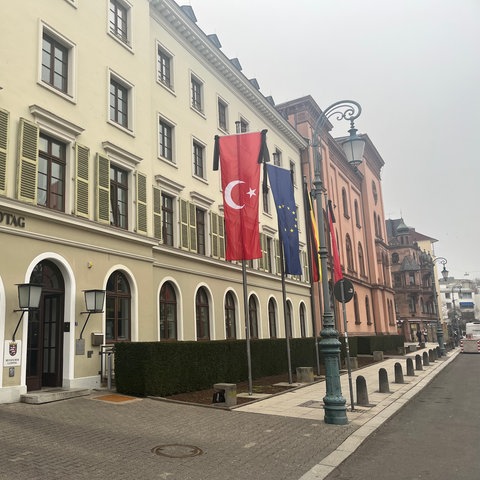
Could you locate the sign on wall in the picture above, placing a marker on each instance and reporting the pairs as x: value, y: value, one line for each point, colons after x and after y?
x: 12, y: 353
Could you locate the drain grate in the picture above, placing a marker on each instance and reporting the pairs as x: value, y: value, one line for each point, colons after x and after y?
x: 176, y: 450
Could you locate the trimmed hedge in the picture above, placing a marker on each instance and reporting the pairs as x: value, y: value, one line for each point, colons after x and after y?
x: 385, y: 343
x: 167, y: 368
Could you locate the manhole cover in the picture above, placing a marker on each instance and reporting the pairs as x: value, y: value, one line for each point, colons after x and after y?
x: 175, y: 450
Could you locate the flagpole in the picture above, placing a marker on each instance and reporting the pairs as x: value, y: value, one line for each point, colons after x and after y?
x: 247, y: 326
x: 288, y: 328
x: 308, y: 222
x: 246, y: 310
x: 347, y: 346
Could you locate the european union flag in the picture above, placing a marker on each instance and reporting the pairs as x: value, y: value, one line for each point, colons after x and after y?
x: 282, y: 189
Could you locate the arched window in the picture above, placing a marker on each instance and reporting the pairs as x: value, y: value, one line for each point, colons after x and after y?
x: 367, y: 310
x: 361, y: 259
x: 202, y: 312
x: 379, y: 229
x: 348, y: 248
x: 118, y: 308
x: 288, y: 314
x: 253, y: 316
x: 375, y: 224
x: 230, y: 323
x: 168, y: 312
x: 357, y: 214
x: 345, y: 203
x: 356, y: 309
x: 272, y: 318
x: 303, y: 325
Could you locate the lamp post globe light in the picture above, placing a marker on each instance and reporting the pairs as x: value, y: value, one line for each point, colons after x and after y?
x: 444, y: 272
x: 334, y: 402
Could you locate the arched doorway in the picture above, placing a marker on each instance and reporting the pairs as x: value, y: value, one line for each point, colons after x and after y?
x: 45, y: 329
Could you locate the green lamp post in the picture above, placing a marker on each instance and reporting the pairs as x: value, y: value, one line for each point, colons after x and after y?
x: 444, y: 272
x: 334, y: 402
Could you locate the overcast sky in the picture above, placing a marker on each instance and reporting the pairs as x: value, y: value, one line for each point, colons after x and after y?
x: 413, y: 65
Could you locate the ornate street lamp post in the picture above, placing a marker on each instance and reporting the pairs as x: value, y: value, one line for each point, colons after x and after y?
x: 334, y: 402
x: 456, y: 333
x: 440, y: 340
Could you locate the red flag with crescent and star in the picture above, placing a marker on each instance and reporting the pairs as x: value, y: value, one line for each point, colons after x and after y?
x: 240, y: 158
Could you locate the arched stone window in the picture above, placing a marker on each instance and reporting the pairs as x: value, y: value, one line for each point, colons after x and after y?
x: 272, y: 318
x: 345, y: 203
x: 303, y: 324
x: 348, y: 248
x: 356, y: 309
x: 118, y: 308
x: 361, y: 260
x: 357, y: 214
x: 168, y: 312
x: 253, y: 316
x: 230, y: 316
x: 202, y: 312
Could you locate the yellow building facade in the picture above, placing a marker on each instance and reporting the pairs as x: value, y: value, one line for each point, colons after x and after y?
x: 108, y: 113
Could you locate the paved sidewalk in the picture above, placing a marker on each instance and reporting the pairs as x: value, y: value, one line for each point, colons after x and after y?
x: 279, y: 438
x: 305, y: 402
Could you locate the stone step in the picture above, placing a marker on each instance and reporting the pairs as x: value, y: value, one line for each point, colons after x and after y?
x: 53, y: 395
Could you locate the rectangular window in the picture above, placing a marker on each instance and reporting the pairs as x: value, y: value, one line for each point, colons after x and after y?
x: 164, y: 67
x: 51, y: 173
x: 243, y: 126
x: 197, y: 100
x: 292, y: 172
x: 411, y: 278
x: 198, y: 160
x: 269, y: 253
x: 277, y: 158
x: 200, y: 216
x: 118, y: 20
x: 166, y: 140
x: 222, y: 115
x: 118, y: 197
x: 54, y: 63
x: 266, y: 200
x: 167, y: 220
x: 119, y: 102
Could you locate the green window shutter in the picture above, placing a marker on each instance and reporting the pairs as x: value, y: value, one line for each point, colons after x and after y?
x: 81, y: 180
x: 103, y: 189
x: 214, y: 234
x: 4, y: 122
x: 157, y: 213
x: 193, y: 227
x: 27, y: 162
x: 261, y: 261
x: 184, y: 230
x: 221, y: 236
x: 278, y: 265
x: 141, y: 202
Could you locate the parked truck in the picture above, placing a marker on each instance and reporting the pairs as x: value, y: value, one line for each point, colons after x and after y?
x: 471, y: 342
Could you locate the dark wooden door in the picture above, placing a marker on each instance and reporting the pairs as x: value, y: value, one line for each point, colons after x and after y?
x: 45, y: 330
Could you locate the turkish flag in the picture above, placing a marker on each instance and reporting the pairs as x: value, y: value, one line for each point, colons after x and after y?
x: 240, y: 157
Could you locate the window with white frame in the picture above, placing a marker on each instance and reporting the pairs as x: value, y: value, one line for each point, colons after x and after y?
x: 197, y: 94
x: 120, y: 102
x: 164, y: 67
x: 222, y: 115
x: 57, y: 62
x: 165, y: 133
x: 198, y: 159
x: 119, y: 20
x: 244, y: 126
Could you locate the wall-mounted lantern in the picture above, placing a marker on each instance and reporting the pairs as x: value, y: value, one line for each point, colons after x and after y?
x: 28, y: 299
x: 94, y: 300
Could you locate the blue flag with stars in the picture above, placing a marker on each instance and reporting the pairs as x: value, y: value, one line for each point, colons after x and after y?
x: 282, y: 189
